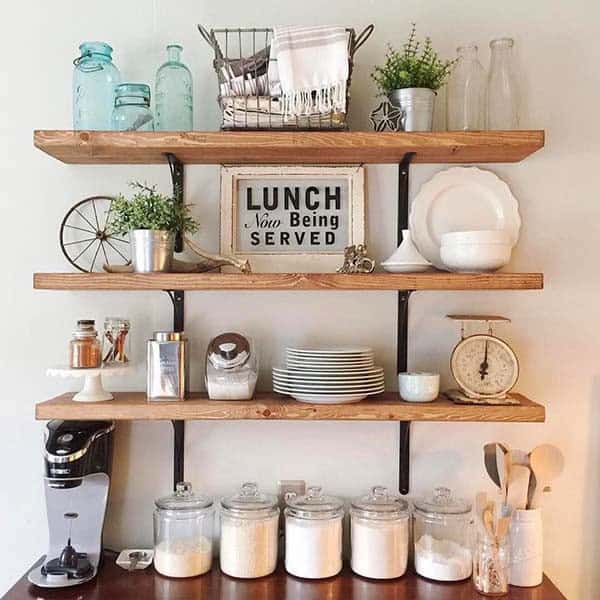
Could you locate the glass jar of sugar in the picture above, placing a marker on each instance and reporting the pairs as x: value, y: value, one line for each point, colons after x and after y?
x: 183, y: 532
x: 379, y: 534
x: 442, y: 526
x: 313, y: 535
x: 249, y: 533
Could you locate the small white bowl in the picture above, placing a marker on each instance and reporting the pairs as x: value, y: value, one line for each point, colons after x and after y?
x: 418, y: 386
x: 475, y: 257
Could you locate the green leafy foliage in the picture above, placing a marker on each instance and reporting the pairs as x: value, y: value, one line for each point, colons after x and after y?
x: 417, y: 66
x: 148, y: 209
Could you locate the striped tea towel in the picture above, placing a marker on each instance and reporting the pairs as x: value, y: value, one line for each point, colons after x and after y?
x: 311, y: 64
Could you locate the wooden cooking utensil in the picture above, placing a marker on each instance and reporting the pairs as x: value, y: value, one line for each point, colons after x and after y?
x: 547, y: 463
x: 491, y: 465
x: 519, y: 457
x: 518, y: 486
x: 503, y: 465
x: 502, y: 527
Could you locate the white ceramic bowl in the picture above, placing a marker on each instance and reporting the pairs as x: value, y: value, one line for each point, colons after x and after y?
x: 475, y: 251
x: 418, y: 386
x: 485, y: 236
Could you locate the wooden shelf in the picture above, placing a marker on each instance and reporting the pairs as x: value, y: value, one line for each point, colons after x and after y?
x: 129, y: 406
x: 287, y: 281
x: 115, y: 583
x: 287, y: 147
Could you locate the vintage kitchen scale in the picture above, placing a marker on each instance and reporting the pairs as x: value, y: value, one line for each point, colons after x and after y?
x: 484, y: 366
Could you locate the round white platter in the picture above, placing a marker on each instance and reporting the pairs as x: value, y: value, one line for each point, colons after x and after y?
x: 461, y: 199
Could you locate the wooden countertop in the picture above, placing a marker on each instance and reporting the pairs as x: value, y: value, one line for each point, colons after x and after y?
x: 114, y: 583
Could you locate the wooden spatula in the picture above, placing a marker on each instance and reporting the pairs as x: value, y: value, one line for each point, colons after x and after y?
x: 518, y: 486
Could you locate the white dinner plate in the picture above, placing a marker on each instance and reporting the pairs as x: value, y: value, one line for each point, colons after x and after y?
x: 361, y: 368
x: 405, y: 267
x: 374, y: 370
x: 326, y: 379
x: 316, y: 389
x: 461, y: 199
x: 334, y: 350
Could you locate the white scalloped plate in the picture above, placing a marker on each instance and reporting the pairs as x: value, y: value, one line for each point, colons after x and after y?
x: 461, y: 199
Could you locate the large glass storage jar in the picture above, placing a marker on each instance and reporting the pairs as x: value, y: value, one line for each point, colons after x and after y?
x: 379, y: 534
x: 132, y: 108
x: 249, y: 524
x: 183, y: 532
x: 442, y: 537
x: 94, y: 80
x: 313, y: 535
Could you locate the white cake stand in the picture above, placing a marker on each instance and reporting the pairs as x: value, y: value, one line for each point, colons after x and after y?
x: 92, y: 386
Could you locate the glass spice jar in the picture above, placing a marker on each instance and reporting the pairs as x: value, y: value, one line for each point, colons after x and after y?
x: 132, y: 108
x: 115, y: 349
x: 85, y: 350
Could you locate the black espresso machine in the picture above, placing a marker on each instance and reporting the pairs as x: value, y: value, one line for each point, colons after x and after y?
x: 77, y: 460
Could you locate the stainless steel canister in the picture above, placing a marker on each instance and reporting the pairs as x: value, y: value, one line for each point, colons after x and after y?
x: 417, y: 107
x: 168, y: 366
x: 151, y: 251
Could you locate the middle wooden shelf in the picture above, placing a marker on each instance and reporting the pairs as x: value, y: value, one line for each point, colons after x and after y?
x: 272, y: 406
x: 288, y: 281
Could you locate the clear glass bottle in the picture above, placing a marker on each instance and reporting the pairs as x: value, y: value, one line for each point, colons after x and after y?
x: 183, y: 532
x: 502, y: 92
x: 85, y: 349
x: 442, y: 527
x: 94, y: 80
x: 379, y: 534
x: 249, y: 533
x: 491, y: 563
x: 465, y: 99
x: 173, y: 93
x: 313, y: 535
x: 115, y: 347
x: 132, y: 108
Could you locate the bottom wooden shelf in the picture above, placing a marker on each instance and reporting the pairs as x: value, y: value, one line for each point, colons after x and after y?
x: 271, y: 406
x: 115, y: 583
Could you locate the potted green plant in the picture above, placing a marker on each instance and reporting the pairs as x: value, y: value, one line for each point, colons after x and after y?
x: 151, y: 219
x: 411, y: 78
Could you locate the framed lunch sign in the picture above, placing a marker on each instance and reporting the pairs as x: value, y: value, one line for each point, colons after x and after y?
x: 292, y: 219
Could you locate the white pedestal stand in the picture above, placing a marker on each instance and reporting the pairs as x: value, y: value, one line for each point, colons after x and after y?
x: 92, y: 391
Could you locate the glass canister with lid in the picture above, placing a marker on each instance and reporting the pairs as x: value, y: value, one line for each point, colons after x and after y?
x: 313, y: 535
x: 442, y: 537
x: 379, y: 534
x: 249, y: 533
x: 85, y: 349
x: 183, y: 532
x: 231, y: 367
x: 132, y: 108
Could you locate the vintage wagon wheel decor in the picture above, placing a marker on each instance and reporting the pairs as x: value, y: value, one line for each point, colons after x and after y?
x: 86, y: 239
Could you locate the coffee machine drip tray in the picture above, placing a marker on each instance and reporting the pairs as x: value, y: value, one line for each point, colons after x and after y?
x: 70, y: 565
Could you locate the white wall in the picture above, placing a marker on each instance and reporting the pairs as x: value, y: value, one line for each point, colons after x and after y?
x: 555, y: 332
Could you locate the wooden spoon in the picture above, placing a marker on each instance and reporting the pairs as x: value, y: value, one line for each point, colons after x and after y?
x: 491, y: 464
x: 547, y: 463
x: 519, y: 457
x: 504, y: 466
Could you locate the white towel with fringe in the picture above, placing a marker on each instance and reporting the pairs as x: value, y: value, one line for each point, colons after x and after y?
x: 311, y: 65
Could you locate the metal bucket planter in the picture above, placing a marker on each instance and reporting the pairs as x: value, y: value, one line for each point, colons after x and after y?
x: 151, y: 250
x: 417, y: 107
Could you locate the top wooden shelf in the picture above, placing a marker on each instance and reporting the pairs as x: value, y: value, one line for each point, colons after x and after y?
x: 287, y: 147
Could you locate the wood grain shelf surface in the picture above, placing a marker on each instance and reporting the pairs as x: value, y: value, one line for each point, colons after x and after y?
x: 275, y: 407
x: 287, y: 147
x: 287, y: 281
x: 114, y: 583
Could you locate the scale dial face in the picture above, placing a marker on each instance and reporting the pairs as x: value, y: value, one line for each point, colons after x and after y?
x: 484, y: 366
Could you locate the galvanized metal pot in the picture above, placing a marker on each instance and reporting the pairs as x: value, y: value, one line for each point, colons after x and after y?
x: 151, y: 250
x: 417, y: 107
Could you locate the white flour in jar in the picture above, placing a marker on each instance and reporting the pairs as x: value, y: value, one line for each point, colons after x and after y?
x: 184, y: 557
x: 379, y: 547
x: 248, y: 546
x: 313, y: 547
x: 442, y: 560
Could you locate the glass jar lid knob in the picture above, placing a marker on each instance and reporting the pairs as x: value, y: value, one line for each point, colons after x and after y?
x: 442, y: 496
x: 183, y: 489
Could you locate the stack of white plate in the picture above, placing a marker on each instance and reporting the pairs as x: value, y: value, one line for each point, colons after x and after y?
x: 329, y: 375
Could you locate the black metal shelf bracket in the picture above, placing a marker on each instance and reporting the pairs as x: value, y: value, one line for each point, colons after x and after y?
x: 402, y: 331
x: 178, y: 300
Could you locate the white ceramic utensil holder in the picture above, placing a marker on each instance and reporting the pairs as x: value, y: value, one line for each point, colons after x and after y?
x: 527, y: 548
x: 93, y: 390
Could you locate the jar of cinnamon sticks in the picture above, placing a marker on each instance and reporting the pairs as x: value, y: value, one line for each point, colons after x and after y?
x: 115, y: 349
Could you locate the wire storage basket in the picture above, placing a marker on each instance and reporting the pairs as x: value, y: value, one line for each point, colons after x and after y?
x: 248, y: 99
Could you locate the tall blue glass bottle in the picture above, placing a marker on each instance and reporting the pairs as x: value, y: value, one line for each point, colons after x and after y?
x: 174, y: 101
x: 94, y: 80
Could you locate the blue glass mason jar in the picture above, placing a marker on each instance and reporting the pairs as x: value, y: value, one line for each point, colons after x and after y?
x: 94, y: 80
x: 174, y: 100
x: 132, y: 108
